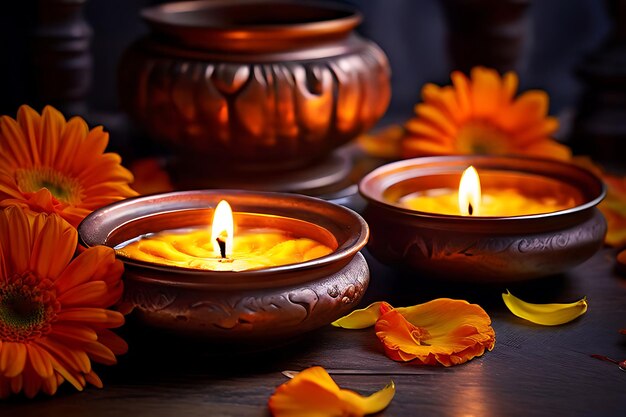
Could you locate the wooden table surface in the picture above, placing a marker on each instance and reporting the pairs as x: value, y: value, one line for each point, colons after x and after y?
x: 533, y: 370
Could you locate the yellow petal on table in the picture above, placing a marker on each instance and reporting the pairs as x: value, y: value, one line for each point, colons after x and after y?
x: 545, y: 314
x: 361, y: 318
x: 313, y: 393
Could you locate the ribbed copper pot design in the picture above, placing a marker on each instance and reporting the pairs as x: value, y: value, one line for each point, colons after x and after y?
x: 268, y: 84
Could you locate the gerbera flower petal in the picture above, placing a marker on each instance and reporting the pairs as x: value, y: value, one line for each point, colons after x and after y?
x: 76, y: 359
x: 432, y: 115
x: 486, y: 92
x: 361, y: 318
x: 30, y: 122
x: 31, y: 383
x: 93, y: 379
x: 12, y: 359
x: 442, y: 331
x: 75, y: 127
x: 554, y: 149
x: 100, y: 353
x: 65, y: 158
x: 16, y: 250
x: 116, y: 344
x: 53, y: 247
x: 510, y: 83
x: 52, y: 124
x: 98, y: 316
x: 462, y: 89
x: 40, y: 361
x: 313, y: 393
x: 96, y: 261
x: 74, y: 332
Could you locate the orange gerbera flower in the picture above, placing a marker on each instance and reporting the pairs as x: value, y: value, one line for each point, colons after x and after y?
x: 479, y: 115
x: 442, y: 331
x: 53, y: 316
x: 54, y: 166
x: 313, y: 393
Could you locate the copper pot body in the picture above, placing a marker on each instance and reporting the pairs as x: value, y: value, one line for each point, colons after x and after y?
x: 267, y: 306
x: 487, y: 249
x: 264, y: 85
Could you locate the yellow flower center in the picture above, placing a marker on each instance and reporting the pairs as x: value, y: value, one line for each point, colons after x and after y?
x: 482, y: 138
x: 63, y: 188
x: 27, y: 306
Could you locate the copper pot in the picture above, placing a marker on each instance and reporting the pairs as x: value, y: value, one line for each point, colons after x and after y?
x: 265, y: 84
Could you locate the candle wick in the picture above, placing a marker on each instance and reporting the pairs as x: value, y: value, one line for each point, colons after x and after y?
x: 470, y: 209
x: 222, y: 244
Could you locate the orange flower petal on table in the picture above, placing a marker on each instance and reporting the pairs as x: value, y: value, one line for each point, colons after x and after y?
x: 442, y: 331
x: 53, y: 310
x: 51, y: 165
x: 480, y: 114
x: 313, y: 393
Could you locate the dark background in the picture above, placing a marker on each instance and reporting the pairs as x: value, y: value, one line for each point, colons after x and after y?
x: 411, y: 32
x: 555, y: 38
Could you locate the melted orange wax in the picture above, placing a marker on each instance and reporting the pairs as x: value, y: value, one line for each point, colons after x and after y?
x: 494, y: 203
x: 252, y: 249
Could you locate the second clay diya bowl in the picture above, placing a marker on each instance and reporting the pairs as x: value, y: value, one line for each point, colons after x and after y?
x: 484, y: 249
x: 263, y: 305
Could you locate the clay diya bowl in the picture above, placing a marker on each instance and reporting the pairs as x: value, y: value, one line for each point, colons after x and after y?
x: 265, y: 305
x: 483, y: 249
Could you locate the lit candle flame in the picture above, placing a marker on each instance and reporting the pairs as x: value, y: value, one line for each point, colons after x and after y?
x: 223, y: 229
x: 469, y: 193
